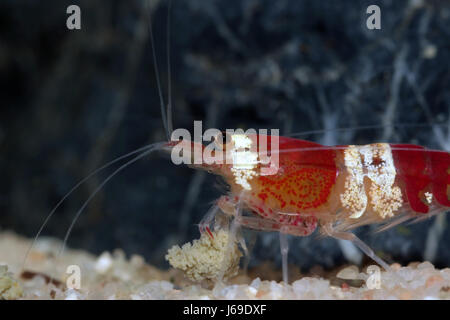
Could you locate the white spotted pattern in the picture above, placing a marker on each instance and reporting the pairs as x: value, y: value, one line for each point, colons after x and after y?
x: 245, y: 160
x: 375, y: 162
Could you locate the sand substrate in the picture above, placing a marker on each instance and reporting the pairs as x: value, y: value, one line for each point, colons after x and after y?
x: 114, y: 276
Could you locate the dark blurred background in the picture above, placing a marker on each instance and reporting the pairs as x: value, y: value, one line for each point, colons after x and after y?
x: 72, y: 100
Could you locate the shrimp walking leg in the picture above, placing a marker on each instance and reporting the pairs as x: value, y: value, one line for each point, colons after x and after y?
x: 284, y: 247
x: 268, y: 225
x: 249, y: 248
x: 233, y: 234
x: 207, y: 220
x: 328, y: 229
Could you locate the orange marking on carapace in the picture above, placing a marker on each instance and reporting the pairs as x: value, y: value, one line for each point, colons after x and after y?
x: 306, y: 180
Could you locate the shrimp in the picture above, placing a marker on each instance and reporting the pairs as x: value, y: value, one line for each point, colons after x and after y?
x: 334, y: 188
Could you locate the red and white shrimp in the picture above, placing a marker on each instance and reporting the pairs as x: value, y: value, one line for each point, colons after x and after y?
x: 335, y: 188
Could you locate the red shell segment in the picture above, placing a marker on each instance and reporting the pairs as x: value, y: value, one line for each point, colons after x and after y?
x: 411, y: 167
x: 440, y: 162
x: 422, y: 171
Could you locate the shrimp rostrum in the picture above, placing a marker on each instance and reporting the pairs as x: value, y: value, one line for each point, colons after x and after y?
x: 303, y: 185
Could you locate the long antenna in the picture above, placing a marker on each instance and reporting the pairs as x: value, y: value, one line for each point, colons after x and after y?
x: 366, y: 127
x: 153, y: 147
x: 155, y: 64
x: 169, y: 72
x: 50, y: 215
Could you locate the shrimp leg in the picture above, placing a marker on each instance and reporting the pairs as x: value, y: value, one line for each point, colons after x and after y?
x: 283, y: 229
x: 328, y: 229
x: 284, y: 247
x: 206, y: 221
x: 269, y: 225
x: 232, y: 237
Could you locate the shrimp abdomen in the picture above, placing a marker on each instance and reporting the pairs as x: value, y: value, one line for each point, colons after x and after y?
x: 424, y: 174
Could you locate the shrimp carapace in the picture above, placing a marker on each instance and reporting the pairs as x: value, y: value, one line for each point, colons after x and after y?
x: 345, y: 186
